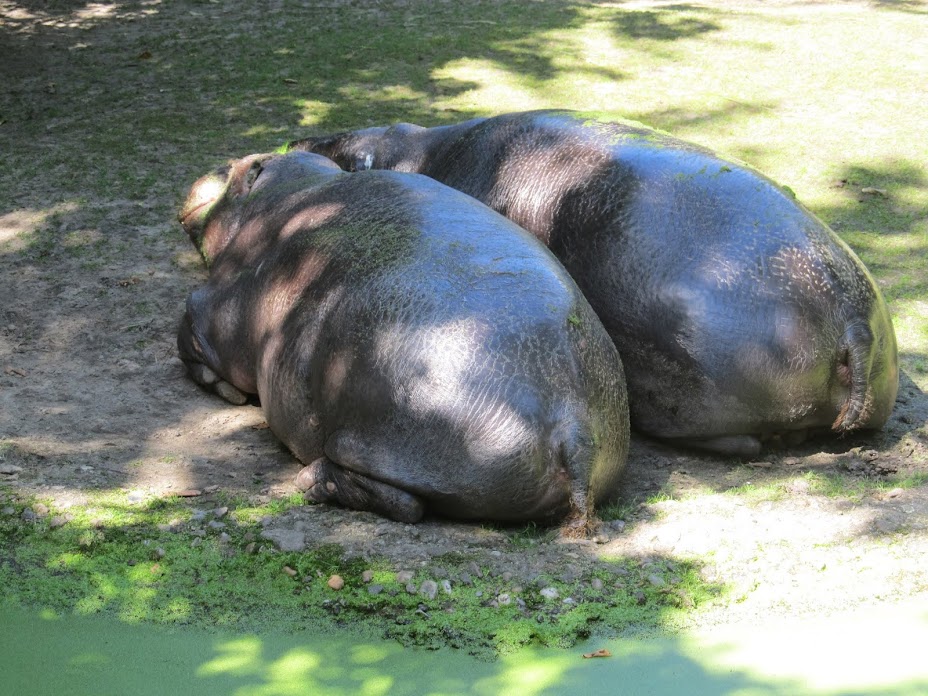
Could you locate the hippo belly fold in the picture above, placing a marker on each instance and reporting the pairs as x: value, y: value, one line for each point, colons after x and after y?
x: 414, y: 349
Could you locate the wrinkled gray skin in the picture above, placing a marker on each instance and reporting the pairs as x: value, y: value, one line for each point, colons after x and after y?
x: 415, y: 349
x: 740, y: 317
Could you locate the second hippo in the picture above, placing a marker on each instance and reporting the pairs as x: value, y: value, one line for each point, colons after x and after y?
x: 741, y: 318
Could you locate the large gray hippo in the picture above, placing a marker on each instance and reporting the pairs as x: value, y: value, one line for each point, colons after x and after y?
x: 740, y: 317
x: 416, y: 350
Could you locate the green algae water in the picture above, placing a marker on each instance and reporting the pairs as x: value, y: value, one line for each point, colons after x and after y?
x: 878, y: 650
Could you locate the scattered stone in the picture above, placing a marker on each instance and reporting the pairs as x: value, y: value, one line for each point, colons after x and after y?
x: 8, y: 510
x: 600, y: 539
x: 336, y: 582
x: 428, y: 589
x: 220, y: 512
x: 224, y: 538
x: 640, y: 597
x: 40, y: 510
x: 596, y: 584
x: 289, y: 571
x: 188, y: 493
x: 28, y: 516
x: 446, y: 586
x: 504, y: 600
x: 136, y: 496
x: 197, y: 515
x: 286, y: 539
x: 569, y: 600
x: 250, y: 548
x: 213, y: 524
x: 58, y: 521
x: 894, y: 493
x: 157, y: 554
x: 411, y: 588
x: 466, y: 578
x: 211, y: 489
x: 549, y: 592
x: 478, y: 593
x: 196, y: 542
x: 506, y: 577
x: 367, y: 576
x: 404, y: 576
x: 656, y: 580
x: 887, y: 525
x: 474, y: 569
x: 375, y: 589
x: 760, y: 465
x: 439, y: 573
x: 10, y: 469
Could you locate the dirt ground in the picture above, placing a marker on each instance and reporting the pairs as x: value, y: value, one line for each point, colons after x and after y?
x: 93, y: 397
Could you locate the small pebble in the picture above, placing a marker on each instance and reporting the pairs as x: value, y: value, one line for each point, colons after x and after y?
x: 375, y: 589
x: 429, y: 589
x: 28, y: 516
x: 250, y: 548
x: 40, y: 510
x: 196, y: 542
x: 224, y: 538
x: 189, y: 493
x: 8, y: 510
x: 289, y: 571
x: 213, y: 524
x: 504, y: 600
x: 136, y: 496
x: 466, y: 578
x: 569, y: 600
x: 404, y: 576
x: 157, y: 554
x: 549, y: 592
x: 367, y: 576
x: 446, y: 586
x: 336, y: 582
x: 894, y: 493
x: 656, y: 580
x: 411, y: 588
x: 596, y: 584
x: 220, y: 512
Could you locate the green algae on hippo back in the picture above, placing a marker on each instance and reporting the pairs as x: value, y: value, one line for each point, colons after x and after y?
x: 741, y: 318
x: 409, y: 345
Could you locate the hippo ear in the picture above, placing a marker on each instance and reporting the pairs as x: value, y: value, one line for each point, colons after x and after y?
x: 362, y: 161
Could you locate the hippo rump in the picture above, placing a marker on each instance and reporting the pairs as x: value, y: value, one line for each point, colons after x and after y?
x: 740, y: 317
x: 414, y: 349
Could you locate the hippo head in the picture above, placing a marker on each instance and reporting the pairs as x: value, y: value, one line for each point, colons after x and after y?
x: 214, y: 200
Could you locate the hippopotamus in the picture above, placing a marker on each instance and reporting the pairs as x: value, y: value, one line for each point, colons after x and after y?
x: 414, y: 349
x: 743, y: 321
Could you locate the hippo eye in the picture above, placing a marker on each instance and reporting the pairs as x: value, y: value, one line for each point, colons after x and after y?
x: 251, y: 176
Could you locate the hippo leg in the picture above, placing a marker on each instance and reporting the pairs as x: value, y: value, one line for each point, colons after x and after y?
x: 325, y: 481
x: 209, y: 380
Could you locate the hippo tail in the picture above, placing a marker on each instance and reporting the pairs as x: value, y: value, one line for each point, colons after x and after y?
x: 855, y: 359
x: 593, y: 468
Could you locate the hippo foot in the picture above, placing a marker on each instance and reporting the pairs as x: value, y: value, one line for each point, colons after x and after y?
x: 230, y: 393
x: 324, y: 481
